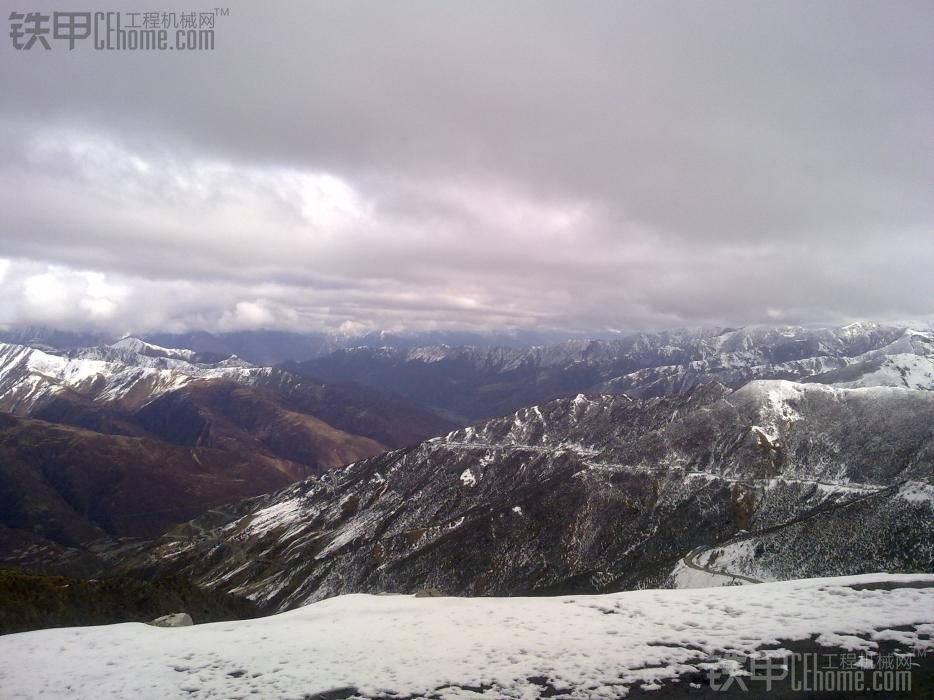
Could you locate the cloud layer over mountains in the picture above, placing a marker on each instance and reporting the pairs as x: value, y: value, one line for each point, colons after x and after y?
x: 421, y: 165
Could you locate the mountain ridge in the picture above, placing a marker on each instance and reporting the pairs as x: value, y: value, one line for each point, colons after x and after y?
x: 472, y: 384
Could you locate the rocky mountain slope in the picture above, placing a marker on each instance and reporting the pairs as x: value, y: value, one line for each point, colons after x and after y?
x: 592, y: 494
x: 478, y: 383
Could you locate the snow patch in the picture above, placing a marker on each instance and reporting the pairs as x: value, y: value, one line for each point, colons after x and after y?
x: 917, y: 492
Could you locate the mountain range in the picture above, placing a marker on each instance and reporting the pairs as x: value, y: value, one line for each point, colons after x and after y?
x: 662, y: 459
x: 271, y: 347
x: 475, y: 383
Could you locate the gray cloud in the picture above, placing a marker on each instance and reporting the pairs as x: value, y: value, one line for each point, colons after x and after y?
x: 460, y: 165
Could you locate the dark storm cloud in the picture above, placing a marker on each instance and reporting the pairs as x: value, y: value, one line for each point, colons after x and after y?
x: 478, y: 165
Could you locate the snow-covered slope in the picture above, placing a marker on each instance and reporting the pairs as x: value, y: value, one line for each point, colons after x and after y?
x: 361, y: 646
x: 593, y: 494
x: 901, y: 370
x: 135, y: 346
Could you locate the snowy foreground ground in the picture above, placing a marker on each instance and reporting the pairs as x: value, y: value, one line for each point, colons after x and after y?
x: 401, y: 646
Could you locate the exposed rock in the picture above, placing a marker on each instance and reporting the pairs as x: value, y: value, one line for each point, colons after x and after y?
x: 181, y: 619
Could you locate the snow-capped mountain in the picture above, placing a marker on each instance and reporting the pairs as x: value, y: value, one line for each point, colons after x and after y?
x: 478, y: 383
x: 592, y: 494
x: 130, y: 372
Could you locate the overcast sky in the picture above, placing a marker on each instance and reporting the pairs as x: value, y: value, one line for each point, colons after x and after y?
x: 476, y: 165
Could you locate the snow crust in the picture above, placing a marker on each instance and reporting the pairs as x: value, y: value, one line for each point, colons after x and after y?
x: 589, y: 646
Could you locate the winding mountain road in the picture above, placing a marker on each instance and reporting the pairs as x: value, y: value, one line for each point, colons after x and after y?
x: 690, y: 561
